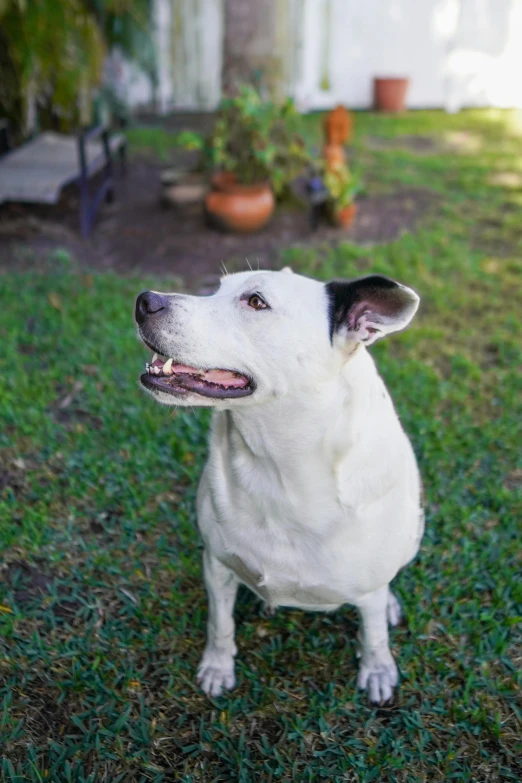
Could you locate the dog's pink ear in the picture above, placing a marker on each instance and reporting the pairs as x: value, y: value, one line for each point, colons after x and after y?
x: 369, y: 308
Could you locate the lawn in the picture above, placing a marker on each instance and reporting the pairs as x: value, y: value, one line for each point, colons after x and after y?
x: 102, y: 609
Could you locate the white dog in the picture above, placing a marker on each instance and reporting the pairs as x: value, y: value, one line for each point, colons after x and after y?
x: 311, y: 494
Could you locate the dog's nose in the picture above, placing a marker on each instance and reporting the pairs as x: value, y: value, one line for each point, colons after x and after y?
x: 147, y: 304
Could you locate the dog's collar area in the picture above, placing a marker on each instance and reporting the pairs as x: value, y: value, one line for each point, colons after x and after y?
x: 164, y: 375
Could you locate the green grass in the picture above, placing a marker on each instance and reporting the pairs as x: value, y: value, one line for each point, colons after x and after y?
x: 151, y: 141
x: 98, y: 656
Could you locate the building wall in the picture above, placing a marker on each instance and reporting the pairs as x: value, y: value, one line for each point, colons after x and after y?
x: 456, y: 52
x: 322, y: 52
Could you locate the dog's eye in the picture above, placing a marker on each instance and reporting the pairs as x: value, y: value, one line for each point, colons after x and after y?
x: 257, y: 302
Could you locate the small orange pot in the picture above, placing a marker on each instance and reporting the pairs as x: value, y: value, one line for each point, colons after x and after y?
x: 240, y: 208
x: 390, y: 94
x: 343, y: 218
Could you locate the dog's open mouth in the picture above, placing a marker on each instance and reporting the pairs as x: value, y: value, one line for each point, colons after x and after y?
x: 163, y: 375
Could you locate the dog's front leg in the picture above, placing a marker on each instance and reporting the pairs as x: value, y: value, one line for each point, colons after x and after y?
x: 216, y: 670
x: 377, y: 671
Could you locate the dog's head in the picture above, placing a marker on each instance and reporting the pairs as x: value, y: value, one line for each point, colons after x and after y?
x: 262, y: 334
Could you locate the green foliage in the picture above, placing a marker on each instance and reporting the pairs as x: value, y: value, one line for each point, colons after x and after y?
x: 154, y: 142
x: 343, y: 186
x: 55, y: 48
x: 256, y: 140
x: 54, y: 51
x: 127, y: 25
x: 97, y: 494
x: 190, y: 140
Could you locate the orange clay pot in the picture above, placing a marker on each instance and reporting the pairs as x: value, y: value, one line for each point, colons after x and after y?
x: 343, y: 218
x: 390, y: 94
x: 240, y: 208
x: 334, y: 156
x: 338, y: 126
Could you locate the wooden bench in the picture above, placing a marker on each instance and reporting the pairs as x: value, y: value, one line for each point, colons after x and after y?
x: 37, y: 171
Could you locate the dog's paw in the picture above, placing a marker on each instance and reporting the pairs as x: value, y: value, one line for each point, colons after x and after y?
x: 216, y: 672
x: 393, y: 610
x: 379, y: 678
x: 267, y: 610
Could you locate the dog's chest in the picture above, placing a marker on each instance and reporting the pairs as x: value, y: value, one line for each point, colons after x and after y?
x: 282, y: 559
x: 301, y: 529
x: 286, y: 576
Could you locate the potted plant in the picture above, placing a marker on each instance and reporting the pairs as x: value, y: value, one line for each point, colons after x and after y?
x: 343, y: 186
x: 252, y: 154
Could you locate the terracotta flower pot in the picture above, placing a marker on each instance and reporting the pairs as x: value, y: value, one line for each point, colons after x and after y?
x: 338, y: 126
x: 241, y: 208
x: 390, y: 94
x: 343, y: 218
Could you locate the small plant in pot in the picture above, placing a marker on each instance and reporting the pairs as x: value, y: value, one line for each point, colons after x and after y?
x: 343, y: 186
x: 253, y: 154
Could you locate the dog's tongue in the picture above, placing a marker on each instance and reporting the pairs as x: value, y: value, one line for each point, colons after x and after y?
x: 225, y: 378
x: 222, y: 377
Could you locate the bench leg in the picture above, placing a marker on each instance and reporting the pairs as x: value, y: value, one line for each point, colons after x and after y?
x: 85, y: 222
x: 123, y: 158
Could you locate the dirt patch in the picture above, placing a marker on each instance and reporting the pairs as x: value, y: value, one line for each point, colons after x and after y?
x: 72, y: 417
x: 419, y: 145
x: 136, y: 234
x: 453, y: 143
x: 12, y: 475
x: 384, y: 218
x: 463, y: 142
x: 513, y: 480
x: 31, y: 587
x: 490, y: 236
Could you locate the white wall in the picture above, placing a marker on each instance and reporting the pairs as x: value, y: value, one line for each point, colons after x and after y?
x: 196, y: 51
x: 456, y: 52
x: 484, y: 62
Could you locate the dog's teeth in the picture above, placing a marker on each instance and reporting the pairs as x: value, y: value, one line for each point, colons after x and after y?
x: 155, y: 356
x: 167, y: 367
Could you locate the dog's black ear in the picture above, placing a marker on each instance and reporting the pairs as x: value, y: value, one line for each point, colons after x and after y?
x: 369, y: 308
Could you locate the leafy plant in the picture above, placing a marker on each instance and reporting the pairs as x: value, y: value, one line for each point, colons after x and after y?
x: 254, y: 139
x: 53, y: 53
x: 343, y: 186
